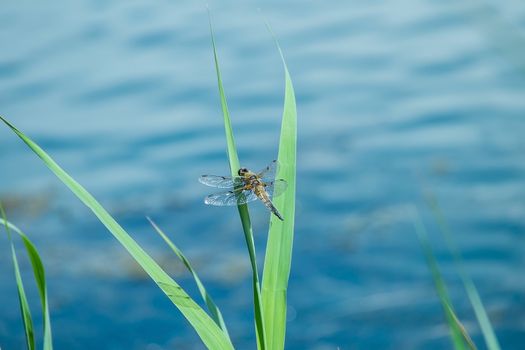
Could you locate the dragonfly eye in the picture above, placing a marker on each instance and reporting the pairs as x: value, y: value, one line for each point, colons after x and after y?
x: 242, y: 171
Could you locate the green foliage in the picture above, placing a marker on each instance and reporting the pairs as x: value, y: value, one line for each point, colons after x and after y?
x: 212, y: 336
x: 212, y: 330
x: 278, y: 259
x: 243, y: 208
x: 270, y: 307
x: 40, y: 279
x: 459, y: 335
x: 212, y: 308
x: 475, y: 300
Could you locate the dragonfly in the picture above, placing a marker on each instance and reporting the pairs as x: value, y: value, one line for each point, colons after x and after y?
x: 246, y: 187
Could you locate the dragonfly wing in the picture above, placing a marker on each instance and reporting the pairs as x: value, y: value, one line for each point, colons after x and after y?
x: 227, y: 198
x: 246, y: 196
x: 219, y: 181
x: 276, y: 188
x: 269, y: 172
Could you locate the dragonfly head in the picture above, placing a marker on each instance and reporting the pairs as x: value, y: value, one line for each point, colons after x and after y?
x: 242, y: 171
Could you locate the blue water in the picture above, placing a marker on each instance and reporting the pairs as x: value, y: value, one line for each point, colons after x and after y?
x: 393, y: 100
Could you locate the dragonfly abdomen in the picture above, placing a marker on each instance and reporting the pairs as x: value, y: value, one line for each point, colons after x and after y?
x: 263, y: 196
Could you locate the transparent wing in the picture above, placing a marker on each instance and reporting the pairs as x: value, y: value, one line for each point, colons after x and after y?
x: 269, y: 172
x: 227, y: 198
x: 219, y: 181
x: 276, y: 188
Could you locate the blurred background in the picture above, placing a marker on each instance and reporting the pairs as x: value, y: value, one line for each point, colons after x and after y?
x: 393, y: 99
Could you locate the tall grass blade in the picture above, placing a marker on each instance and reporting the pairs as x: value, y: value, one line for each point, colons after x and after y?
x: 475, y: 300
x: 243, y: 209
x: 459, y: 335
x: 278, y: 259
x: 209, y: 332
x: 212, y: 307
x: 40, y: 278
x: 22, y: 298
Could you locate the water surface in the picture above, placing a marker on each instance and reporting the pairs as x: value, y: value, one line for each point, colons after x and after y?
x: 393, y: 99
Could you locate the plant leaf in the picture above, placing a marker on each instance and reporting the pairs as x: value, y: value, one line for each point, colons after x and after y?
x: 277, y: 262
x: 212, y: 307
x: 209, y: 332
x: 475, y: 300
x: 22, y: 298
x: 243, y: 209
x: 460, y: 337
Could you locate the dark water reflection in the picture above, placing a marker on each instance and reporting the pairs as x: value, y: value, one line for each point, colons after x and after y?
x: 392, y: 99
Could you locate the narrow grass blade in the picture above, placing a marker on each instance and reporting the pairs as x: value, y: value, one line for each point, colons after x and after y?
x: 22, y: 298
x: 243, y: 209
x: 278, y: 259
x: 209, y: 332
x: 212, y: 307
x: 459, y: 335
x: 475, y: 300
x: 40, y: 278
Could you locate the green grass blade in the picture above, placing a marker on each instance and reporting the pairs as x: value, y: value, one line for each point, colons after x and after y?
x: 22, y: 298
x: 475, y: 300
x: 243, y: 209
x: 40, y: 278
x: 212, y: 307
x: 459, y: 335
x: 209, y: 332
x: 278, y: 258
